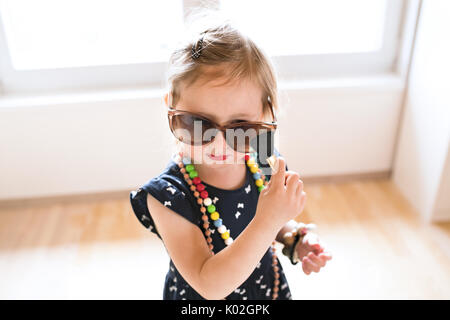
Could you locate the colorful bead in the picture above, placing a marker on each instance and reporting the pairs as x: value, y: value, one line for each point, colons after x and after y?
x: 253, y: 169
x: 247, y: 157
x: 215, y: 215
x: 193, y: 174
x: 218, y: 223
x: 204, y: 194
x: 189, y: 167
x: 196, y: 180
x: 222, y: 229
x: 229, y: 241
x: 225, y: 235
x: 257, y: 175
x: 186, y: 160
x: 200, y: 187
x: 211, y: 208
x: 207, y: 201
x: 250, y: 162
x: 261, y: 188
x: 258, y: 182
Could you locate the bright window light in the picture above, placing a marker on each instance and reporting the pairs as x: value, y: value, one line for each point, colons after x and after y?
x: 300, y: 27
x: 45, y: 34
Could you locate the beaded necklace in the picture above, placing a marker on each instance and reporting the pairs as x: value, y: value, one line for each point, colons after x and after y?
x: 206, y: 205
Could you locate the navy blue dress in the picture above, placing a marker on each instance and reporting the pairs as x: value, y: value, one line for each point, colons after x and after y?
x: 237, y: 208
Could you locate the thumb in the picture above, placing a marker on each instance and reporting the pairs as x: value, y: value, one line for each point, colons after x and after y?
x: 279, y: 172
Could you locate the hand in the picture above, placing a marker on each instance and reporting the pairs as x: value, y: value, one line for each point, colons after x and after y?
x: 283, y: 199
x: 312, y: 253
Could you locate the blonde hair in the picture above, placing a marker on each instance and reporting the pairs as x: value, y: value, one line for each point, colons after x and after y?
x: 227, y: 53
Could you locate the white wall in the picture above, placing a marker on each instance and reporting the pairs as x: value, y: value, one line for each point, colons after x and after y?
x: 419, y: 168
x: 98, y: 142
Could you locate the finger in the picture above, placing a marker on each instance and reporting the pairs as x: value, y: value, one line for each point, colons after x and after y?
x: 326, y: 255
x: 278, y: 175
x: 288, y: 174
x: 314, y: 258
x: 317, y: 248
x: 300, y: 184
x: 302, y: 196
x: 292, y: 181
x: 312, y: 241
x: 311, y: 265
x: 305, y: 267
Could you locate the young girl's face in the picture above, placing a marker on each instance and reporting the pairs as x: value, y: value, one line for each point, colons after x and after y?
x: 238, y: 100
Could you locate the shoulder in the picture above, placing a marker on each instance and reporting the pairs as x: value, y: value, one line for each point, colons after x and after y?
x: 169, y: 185
x: 171, y: 190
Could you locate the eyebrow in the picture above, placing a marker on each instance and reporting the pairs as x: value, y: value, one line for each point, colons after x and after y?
x: 234, y: 117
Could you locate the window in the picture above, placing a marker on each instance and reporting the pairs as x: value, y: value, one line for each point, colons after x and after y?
x: 48, y: 45
x: 77, y: 33
x: 301, y: 27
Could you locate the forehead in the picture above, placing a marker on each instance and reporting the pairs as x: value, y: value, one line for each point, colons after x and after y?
x: 222, y: 98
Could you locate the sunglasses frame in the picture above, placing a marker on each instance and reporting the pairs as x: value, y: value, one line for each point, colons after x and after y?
x: 269, y: 125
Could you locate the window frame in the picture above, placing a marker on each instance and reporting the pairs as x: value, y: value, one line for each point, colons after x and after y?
x: 296, y: 67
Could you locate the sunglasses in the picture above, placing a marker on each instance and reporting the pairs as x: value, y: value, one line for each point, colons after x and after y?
x: 195, y: 130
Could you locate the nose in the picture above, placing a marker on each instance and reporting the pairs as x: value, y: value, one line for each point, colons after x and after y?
x: 219, y: 145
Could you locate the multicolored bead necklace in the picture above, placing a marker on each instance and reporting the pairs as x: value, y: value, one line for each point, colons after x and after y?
x: 206, y: 205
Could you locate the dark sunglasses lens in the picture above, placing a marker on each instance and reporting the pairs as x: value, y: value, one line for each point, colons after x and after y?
x: 242, y: 137
x: 192, y: 130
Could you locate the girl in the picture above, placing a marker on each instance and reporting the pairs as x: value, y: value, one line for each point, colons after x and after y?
x: 216, y: 213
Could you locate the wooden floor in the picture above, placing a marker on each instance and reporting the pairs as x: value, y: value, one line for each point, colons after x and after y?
x: 98, y: 250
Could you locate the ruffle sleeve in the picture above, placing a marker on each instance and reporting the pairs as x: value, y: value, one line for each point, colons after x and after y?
x: 170, y: 192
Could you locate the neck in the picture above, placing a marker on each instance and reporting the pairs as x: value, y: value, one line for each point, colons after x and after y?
x: 227, y: 177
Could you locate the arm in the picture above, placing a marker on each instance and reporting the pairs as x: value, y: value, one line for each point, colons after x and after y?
x: 212, y: 276
x: 228, y: 269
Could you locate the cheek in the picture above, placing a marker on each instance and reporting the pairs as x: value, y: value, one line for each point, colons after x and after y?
x: 196, y: 153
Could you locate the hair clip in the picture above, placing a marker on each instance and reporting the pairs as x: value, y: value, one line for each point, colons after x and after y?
x: 196, y: 52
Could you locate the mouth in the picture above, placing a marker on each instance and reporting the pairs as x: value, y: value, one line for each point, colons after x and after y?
x: 217, y: 158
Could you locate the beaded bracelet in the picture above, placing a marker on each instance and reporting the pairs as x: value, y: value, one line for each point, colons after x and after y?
x: 292, y: 238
